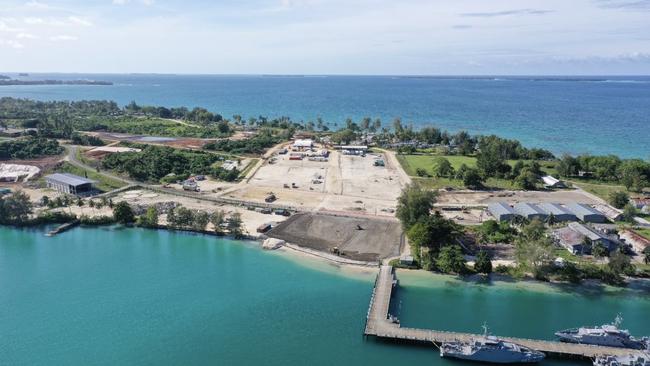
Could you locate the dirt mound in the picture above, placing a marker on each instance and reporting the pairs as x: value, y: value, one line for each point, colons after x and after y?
x: 356, y: 238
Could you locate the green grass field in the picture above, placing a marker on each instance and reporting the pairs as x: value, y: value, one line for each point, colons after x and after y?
x: 602, y: 190
x: 411, y: 163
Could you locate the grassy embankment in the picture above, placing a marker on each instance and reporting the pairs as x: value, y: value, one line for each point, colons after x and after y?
x: 644, y: 232
x: 411, y: 163
x: 598, y: 188
x: 248, y: 168
x: 103, y: 183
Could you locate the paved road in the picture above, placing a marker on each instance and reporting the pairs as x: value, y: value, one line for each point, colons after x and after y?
x: 72, y: 159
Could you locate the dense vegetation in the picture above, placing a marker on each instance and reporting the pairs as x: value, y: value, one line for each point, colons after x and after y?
x: 29, y: 148
x: 156, y: 162
x: 634, y: 174
x: 255, y: 145
x: 492, y: 231
x: 15, y: 209
x: 432, y: 238
x: 61, y: 118
x: 197, y: 220
x: 86, y: 140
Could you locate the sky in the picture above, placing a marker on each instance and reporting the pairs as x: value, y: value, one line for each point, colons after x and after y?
x: 360, y: 37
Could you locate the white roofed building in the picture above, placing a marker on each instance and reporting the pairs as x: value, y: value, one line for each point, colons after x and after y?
x: 552, y: 182
x: 303, y: 144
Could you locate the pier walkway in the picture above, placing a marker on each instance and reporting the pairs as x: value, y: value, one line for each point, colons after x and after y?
x: 379, y: 323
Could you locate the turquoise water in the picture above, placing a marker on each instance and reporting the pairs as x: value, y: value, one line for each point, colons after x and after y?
x: 128, y: 296
x: 597, y: 115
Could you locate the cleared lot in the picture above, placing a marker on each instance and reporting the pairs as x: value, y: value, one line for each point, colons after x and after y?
x: 344, y: 183
x: 483, y: 198
x: 355, y: 237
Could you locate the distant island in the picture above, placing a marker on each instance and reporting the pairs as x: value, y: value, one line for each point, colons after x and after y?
x: 4, y: 82
x: 4, y: 77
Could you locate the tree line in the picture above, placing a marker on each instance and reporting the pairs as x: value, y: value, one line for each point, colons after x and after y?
x: 155, y: 162
x: 634, y: 174
x: 29, y: 148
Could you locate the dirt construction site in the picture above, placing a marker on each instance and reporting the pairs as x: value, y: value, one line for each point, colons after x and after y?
x: 343, y: 183
x: 357, y: 238
x: 474, y: 198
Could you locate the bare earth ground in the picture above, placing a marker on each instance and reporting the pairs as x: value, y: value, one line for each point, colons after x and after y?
x: 178, y: 142
x: 345, y: 183
x: 357, y: 238
x: 470, y: 198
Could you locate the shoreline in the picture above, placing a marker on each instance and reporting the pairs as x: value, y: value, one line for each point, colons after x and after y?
x: 326, y: 262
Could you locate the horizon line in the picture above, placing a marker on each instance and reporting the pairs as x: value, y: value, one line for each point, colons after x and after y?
x: 323, y: 74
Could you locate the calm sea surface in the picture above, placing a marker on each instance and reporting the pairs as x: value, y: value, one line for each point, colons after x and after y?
x: 598, y: 115
x: 136, y: 297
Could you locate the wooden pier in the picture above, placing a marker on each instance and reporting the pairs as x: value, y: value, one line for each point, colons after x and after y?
x: 380, y: 323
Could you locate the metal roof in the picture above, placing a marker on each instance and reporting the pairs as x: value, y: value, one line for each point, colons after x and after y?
x: 527, y: 209
x: 555, y: 209
x: 500, y: 208
x: 585, y: 231
x: 550, y: 180
x: 582, y: 210
x: 70, y: 179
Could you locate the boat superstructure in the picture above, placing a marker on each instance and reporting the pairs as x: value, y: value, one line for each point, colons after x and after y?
x: 490, y: 349
x: 609, y: 335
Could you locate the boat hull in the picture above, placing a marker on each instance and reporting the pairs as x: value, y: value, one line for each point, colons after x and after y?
x: 494, y: 357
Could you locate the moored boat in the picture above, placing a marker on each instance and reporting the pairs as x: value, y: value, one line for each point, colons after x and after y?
x: 609, y: 335
x: 490, y: 349
x: 639, y: 359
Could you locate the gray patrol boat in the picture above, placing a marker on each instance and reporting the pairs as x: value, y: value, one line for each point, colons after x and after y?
x: 639, y: 359
x: 608, y: 335
x: 490, y: 349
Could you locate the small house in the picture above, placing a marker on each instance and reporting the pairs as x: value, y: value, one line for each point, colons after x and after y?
x: 552, y: 182
x: 636, y: 241
x: 586, y: 213
x: 303, y: 144
x: 642, y: 204
x: 575, y: 237
x: 610, y: 212
x: 501, y: 211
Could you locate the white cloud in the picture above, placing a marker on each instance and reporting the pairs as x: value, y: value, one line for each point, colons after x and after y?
x: 58, y: 22
x: 34, y: 20
x: 63, y: 38
x: 143, y: 2
x: 11, y: 43
x: 4, y: 27
x: 37, y: 5
x: 26, y: 36
x: 80, y: 21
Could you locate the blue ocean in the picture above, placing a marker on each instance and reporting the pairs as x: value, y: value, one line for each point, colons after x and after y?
x: 595, y: 115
